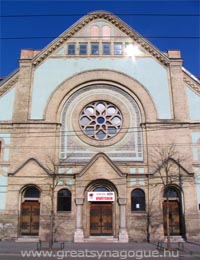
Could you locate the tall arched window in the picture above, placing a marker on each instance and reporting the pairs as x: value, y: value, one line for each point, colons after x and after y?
x: 137, y: 200
x: 64, y: 200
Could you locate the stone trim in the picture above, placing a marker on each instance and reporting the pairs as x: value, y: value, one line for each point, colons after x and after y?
x: 192, y: 85
x: 122, y: 201
x: 26, y: 162
x: 79, y: 201
x: 97, y: 156
x: 9, y: 83
x: 110, y: 18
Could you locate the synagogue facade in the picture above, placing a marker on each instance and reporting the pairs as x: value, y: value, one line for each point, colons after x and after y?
x: 100, y: 139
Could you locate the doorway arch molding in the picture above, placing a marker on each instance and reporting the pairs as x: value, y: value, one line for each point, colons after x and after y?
x: 101, y: 183
x: 28, y: 186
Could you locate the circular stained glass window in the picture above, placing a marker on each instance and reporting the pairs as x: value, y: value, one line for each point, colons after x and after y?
x: 100, y: 120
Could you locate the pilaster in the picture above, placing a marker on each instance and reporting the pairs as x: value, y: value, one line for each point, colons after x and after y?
x: 123, y: 234
x: 22, y: 94
x: 78, y: 235
x: 179, y: 97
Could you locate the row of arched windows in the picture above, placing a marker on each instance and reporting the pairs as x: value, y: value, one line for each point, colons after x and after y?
x: 97, y: 31
x: 64, y: 198
x: 138, y: 197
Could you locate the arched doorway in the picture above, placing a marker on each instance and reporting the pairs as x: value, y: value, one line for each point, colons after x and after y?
x: 30, y: 212
x: 101, y: 222
x: 172, y: 212
x: 101, y: 198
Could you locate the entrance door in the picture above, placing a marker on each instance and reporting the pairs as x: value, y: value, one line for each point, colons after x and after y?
x: 101, y: 219
x: 174, y: 218
x: 30, y: 214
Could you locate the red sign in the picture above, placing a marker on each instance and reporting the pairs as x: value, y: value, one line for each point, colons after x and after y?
x: 101, y: 196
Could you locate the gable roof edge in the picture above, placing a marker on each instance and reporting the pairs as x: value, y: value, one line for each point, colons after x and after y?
x: 25, y: 163
x: 9, y: 81
x: 176, y: 162
x: 95, y: 158
x: 130, y: 32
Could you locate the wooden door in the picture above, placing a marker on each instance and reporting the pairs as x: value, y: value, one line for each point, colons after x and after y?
x: 101, y: 219
x: 30, y: 214
x: 174, y: 218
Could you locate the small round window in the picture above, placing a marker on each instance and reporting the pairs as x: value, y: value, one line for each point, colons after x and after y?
x: 100, y: 120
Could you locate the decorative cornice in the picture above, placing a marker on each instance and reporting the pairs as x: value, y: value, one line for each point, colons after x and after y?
x: 9, y: 83
x: 191, y: 84
x: 110, y: 18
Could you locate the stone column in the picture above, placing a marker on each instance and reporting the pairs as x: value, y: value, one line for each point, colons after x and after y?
x: 78, y: 235
x: 123, y: 234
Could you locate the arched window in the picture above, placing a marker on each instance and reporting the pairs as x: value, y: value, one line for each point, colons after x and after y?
x: 101, y: 189
x: 31, y: 192
x: 95, y: 31
x: 171, y: 192
x: 64, y: 200
x: 106, y: 32
x: 137, y: 200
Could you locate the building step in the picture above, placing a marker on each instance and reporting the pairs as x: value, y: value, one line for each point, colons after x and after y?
x: 101, y: 239
x: 27, y: 239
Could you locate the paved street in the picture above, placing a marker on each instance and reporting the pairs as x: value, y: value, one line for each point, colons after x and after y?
x: 13, y: 250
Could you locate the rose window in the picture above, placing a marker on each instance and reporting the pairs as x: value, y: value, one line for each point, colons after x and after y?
x: 100, y: 120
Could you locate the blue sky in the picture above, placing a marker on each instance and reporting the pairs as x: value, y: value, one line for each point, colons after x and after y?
x: 176, y: 25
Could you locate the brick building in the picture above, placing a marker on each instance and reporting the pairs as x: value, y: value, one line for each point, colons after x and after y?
x: 98, y: 131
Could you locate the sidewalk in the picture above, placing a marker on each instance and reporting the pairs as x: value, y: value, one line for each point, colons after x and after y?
x: 190, y: 249
x: 14, y: 247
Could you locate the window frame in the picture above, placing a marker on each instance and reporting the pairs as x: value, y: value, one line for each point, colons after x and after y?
x: 92, y: 44
x: 81, y: 45
x: 116, y: 50
x: 62, y: 201
x: 138, y: 200
x: 71, y: 44
x: 104, y: 50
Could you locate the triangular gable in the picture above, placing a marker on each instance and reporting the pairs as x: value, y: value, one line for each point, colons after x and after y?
x: 106, y: 159
x: 26, y: 163
x: 176, y: 163
x: 106, y: 16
